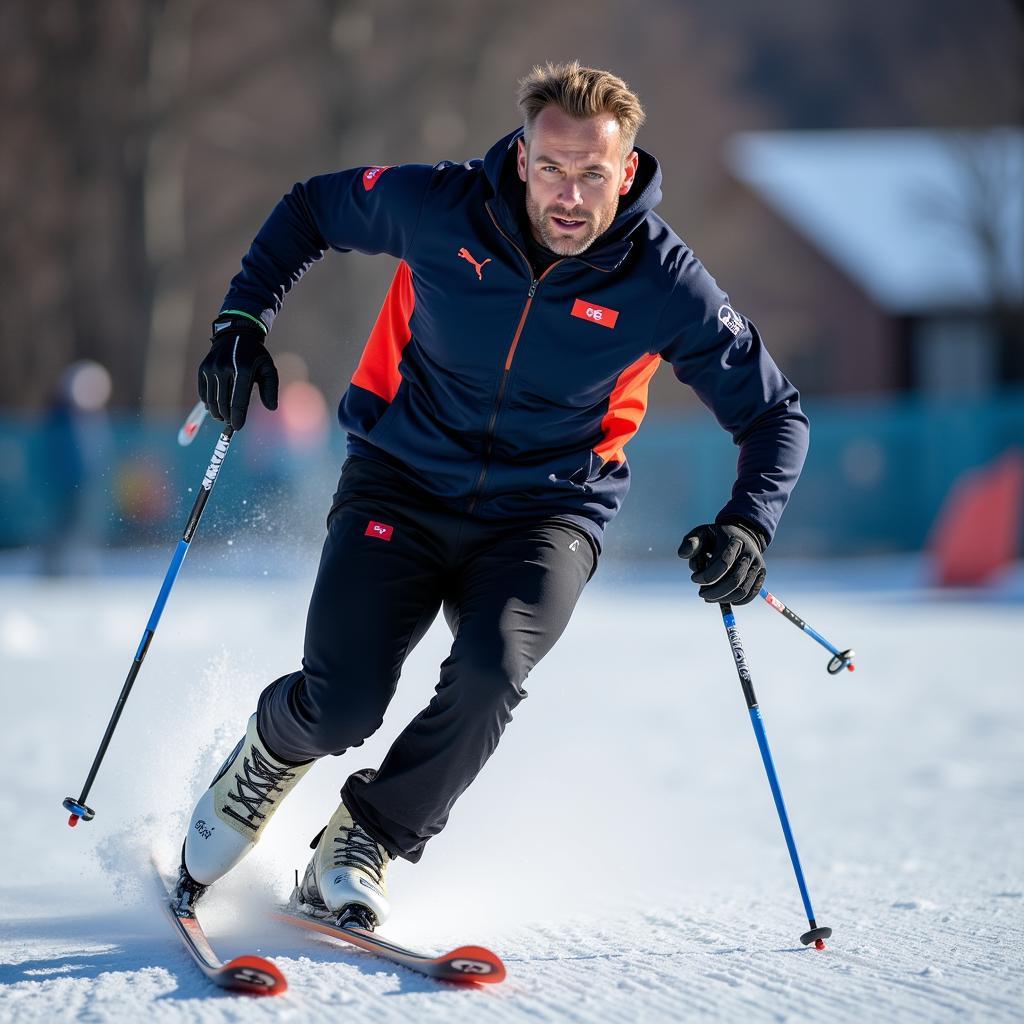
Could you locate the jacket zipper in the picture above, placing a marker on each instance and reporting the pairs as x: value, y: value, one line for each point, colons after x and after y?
x: 489, y: 436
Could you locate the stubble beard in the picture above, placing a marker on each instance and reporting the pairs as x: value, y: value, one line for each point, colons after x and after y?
x: 567, y: 245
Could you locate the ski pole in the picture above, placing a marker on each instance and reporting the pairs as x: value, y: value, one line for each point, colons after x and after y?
x: 840, y: 659
x: 817, y: 934
x: 78, y: 808
x: 190, y: 428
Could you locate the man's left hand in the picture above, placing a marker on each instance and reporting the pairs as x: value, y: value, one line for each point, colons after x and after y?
x: 726, y: 561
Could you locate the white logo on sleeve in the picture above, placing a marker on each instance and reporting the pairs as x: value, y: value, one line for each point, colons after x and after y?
x: 730, y: 318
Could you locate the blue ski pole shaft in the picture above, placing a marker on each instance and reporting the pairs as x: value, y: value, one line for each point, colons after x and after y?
x: 840, y: 659
x: 817, y: 934
x: 78, y: 808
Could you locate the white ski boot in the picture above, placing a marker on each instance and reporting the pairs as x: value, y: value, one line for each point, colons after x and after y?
x: 346, y: 879
x: 230, y: 817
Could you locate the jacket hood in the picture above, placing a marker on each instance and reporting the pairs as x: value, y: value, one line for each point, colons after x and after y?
x: 608, y: 249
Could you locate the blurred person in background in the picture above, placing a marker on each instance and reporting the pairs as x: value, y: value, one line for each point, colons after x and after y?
x: 78, y: 440
x: 535, y: 296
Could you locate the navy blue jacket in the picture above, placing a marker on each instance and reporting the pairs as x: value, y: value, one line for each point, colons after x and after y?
x: 513, y: 397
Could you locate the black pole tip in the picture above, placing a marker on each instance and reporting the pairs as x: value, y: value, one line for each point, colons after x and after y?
x: 817, y: 936
x: 78, y: 811
x: 840, y: 661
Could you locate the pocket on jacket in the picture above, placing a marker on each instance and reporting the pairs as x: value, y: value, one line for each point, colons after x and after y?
x: 587, y: 471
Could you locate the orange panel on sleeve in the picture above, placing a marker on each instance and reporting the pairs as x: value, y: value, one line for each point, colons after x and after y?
x: 378, y: 367
x: 626, y: 407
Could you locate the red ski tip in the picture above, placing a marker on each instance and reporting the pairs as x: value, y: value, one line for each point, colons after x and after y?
x: 254, y: 975
x: 850, y: 667
x: 819, y: 944
x: 73, y: 821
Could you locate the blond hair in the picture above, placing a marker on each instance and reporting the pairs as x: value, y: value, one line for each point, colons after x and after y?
x: 581, y: 92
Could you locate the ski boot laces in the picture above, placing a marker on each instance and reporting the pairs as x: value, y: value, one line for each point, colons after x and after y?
x: 254, y: 786
x: 354, y: 848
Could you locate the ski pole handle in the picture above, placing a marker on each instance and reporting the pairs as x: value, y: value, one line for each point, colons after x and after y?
x: 840, y: 659
x: 78, y: 808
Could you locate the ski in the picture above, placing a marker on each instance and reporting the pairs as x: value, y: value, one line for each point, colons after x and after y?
x: 251, y: 975
x: 465, y: 964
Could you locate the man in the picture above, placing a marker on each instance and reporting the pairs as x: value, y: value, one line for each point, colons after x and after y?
x: 535, y: 296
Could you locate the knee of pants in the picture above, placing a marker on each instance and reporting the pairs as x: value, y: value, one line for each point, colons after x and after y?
x: 484, y: 682
x: 333, y: 715
x: 331, y: 736
x: 349, y: 717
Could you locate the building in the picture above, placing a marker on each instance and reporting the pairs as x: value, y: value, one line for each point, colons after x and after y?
x: 886, y: 260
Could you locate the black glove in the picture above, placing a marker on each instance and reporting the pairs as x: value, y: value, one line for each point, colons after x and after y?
x: 237, y: 359
x: 726, y: 559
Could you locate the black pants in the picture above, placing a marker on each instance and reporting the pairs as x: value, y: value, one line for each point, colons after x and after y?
x: 392, y: 558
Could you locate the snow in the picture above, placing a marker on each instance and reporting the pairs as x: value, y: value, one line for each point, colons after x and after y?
x: 621, y: 851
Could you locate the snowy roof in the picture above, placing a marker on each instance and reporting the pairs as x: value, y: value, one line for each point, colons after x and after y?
x: 905, y: 213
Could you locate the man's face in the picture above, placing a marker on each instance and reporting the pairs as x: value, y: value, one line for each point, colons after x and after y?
x: 574, y: 175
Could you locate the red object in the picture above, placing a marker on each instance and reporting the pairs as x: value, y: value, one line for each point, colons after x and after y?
x: 469, y: 964
x: 819, y: 944
x: 371, y: 176
x: 378, y: 366
x: 245, y: 967
x: 73, y: 820
x: 466, y: 255
x: 253, y: 975
x: 977, y: 533
x: 379, y: 530
x: 627, y: 405
x: 600, y: 315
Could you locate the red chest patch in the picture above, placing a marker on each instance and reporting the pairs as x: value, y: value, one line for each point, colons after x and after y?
x: 372, y: 175
x: 379, y: 530
x: 596, y: 314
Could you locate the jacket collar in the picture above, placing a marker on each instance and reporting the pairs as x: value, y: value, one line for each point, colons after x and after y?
x: 612, y: 247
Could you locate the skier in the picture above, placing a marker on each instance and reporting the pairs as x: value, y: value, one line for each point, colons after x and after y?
x: 535, y: 295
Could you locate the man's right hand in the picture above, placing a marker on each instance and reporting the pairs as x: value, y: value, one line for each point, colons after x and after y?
x: 237, y: 359
x: 726, y: 560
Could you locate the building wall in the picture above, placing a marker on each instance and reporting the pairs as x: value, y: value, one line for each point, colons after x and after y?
x: 824, y: 332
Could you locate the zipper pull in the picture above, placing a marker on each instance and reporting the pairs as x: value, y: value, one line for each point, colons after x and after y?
x: 533, y: 288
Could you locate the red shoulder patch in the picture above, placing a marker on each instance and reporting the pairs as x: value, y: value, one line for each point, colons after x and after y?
x: 372, y: 175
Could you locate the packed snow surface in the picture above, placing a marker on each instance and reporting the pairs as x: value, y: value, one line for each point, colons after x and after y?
x: 621, y: 851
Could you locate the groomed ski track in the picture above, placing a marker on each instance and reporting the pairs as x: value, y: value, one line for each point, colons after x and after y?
x: 620, y: 853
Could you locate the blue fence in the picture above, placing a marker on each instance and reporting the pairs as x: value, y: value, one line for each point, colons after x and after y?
x: 876, y: 476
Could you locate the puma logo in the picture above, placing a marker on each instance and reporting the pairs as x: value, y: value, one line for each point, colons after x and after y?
x: 465, y: 254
